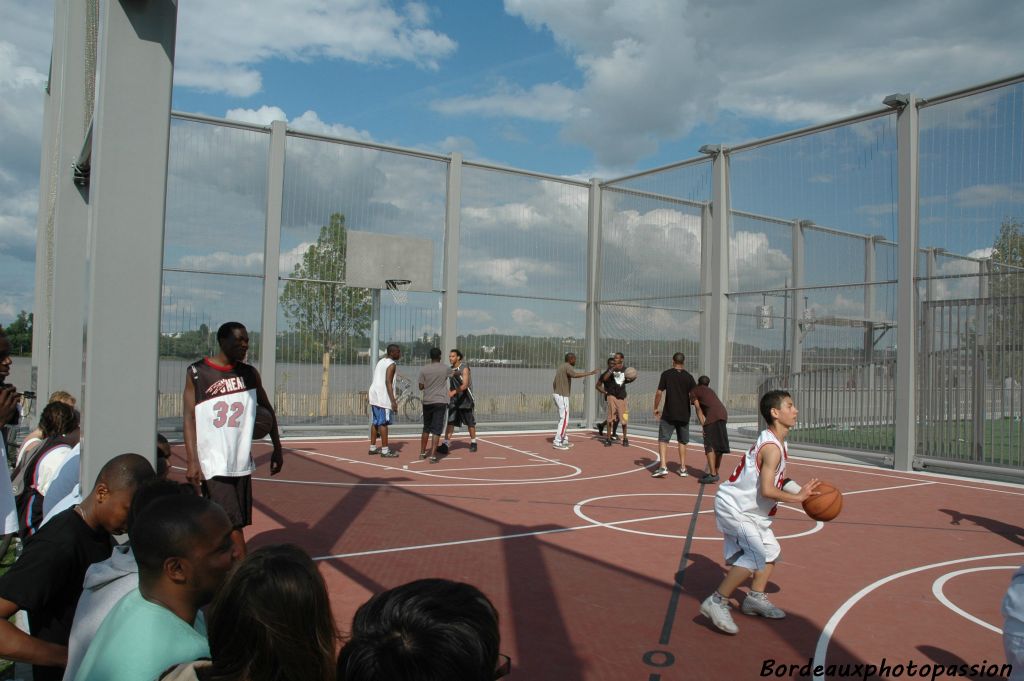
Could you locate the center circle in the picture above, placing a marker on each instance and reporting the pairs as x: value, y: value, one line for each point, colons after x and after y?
x: 616, y: 525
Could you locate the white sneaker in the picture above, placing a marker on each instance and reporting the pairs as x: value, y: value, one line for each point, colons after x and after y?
x: 758, y: 604
x: 718, y: 612
x: 373, y: 450
x: 561, y: 445
x: 660, y: 473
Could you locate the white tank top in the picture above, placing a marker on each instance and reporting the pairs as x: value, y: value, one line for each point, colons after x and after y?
x: 742, y: 490
x: 378, y: 393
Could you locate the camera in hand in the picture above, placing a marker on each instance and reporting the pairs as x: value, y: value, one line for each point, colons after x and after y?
x: 28, y: 395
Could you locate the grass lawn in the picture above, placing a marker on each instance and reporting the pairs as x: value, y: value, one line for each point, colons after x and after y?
x: 1002, y: 440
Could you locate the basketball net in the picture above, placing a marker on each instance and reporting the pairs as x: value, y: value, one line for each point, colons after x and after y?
x: 399, y: 289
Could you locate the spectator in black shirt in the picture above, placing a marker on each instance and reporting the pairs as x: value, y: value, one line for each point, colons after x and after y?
x: 675, y: 384
x: 47, y: 580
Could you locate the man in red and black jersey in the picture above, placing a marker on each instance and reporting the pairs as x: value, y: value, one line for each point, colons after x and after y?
x: 220, y: 399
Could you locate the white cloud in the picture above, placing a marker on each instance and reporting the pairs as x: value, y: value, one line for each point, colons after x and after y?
x: 530, y: 323
x: 510, y: 273
x: 478, y: 316
x: 988, y: 194
x: 221, y: 261
x: 551, y: 102
x: 222, y: 43
x: 654, y: 69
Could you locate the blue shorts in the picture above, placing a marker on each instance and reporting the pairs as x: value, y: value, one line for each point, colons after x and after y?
x: 381, y: 415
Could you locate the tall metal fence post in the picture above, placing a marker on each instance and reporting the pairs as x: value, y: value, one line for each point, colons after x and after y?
x: 906, y: 288
x: 707, y: 243
x: 593, y: 321
x: 272, y: 257
x: 718, y: 268
x: 71, y: 206
x: 452, y: 230
x: 796, y: 361
x: 128, y: 192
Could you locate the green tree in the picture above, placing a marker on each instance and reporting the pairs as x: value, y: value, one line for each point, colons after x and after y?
x: 321, y: 305
x: 19, y: 333
x: 1008, y: 260
x: 1006, y: 307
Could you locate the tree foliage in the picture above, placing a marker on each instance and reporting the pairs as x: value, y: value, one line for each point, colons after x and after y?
x: 19, y: 333
x: 1008, y: 260
x: 325, y: 308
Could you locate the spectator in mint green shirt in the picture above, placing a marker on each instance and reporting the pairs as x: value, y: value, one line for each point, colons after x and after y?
x: 184, y: 549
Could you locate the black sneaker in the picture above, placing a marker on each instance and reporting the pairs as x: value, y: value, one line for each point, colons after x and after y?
x: 442, y: 448
x: 600, y: 428
x: 708, y: 479
x: 625, y: 442
x: 608, y: 442
x: 472, y: 446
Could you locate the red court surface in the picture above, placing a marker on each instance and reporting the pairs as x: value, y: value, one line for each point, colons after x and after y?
x: 598, y: 569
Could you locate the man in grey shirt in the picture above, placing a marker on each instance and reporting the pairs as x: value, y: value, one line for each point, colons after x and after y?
x: 433, y: 382
x: 560, y: 388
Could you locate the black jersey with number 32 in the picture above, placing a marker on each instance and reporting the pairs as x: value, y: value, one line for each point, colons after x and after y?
x: 225, y: 414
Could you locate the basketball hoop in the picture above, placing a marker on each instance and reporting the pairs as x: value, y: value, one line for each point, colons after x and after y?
x: 399, y: 289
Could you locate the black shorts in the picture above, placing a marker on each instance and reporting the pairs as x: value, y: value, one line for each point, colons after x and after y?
x: 461, y: 417
x: 434, y: 417
x: 681, y: 429
x: 716, y: 437
x: 234, y: 495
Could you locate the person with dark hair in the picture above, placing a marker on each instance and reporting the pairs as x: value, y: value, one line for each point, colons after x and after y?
x: 9, y: 398
x: 675, y: 384
x: 460, y: 401
x: 163, y: 456
x: 433, y: 381
x: 47, y: 580
x: 219, y: 403
x: 427, y: 630
x: 65, y: 490
x: 744, y: 507
x: 107, y: 581
x: 599, y: 387
x: 561, y: 386
x: 612, y: 384
x: 36, y: 437
x: 381, y: 396
x: 271, y: 621
x: 184, y: 549
x: 33, y: 476
x: 713, y: 417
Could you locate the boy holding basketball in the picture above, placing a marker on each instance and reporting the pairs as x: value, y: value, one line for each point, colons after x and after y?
x: 744, y: 506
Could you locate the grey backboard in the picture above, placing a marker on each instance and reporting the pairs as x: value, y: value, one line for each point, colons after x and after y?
x: 371, y: 259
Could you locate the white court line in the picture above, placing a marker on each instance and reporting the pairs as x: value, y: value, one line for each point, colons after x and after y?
x: 941, y: 582
x: 542, y: 481
x: 578, y: 510
x: 500, y: 537
x: 498, y: 468
x: 859, y: 468
x: 821, y: 649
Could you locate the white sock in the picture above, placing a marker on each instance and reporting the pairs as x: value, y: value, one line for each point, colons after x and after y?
x: 373, y: 448
x: 385, y: 450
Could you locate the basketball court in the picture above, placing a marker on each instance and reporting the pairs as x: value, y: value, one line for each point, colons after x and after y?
x: 598, y: 569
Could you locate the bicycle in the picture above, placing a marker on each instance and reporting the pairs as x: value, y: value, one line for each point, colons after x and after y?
x: 409, y: 405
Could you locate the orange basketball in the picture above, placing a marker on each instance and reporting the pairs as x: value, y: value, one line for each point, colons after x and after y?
x: 825, y: 505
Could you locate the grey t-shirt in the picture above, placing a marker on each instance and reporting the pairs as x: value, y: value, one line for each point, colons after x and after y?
x: 434, y: 379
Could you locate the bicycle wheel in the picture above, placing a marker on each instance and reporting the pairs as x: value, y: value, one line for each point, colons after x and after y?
x: 412, y: 409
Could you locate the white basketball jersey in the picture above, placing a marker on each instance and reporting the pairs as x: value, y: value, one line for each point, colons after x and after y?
x: 378, y: 392
x: 225, y: 415
x: 742, y: 489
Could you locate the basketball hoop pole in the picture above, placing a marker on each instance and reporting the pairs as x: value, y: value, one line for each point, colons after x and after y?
x: 374, y: 328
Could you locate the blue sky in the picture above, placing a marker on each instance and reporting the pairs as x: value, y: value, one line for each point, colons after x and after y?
x: 575, y: 87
